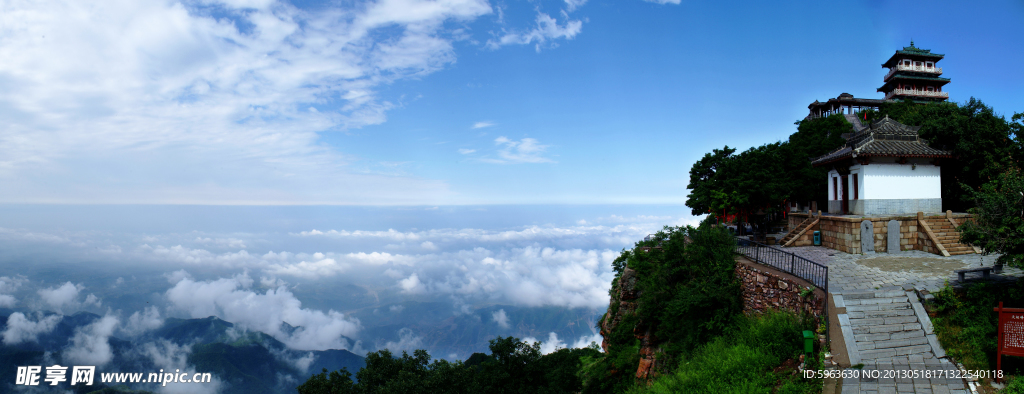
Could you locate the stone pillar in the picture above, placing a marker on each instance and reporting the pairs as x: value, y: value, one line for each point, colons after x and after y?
x: 867, y: 237
x: 893, y: 237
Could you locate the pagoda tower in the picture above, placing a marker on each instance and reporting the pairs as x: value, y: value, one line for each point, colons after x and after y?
x: 914, y: 74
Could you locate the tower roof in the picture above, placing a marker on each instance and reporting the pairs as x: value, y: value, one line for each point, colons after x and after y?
x: 912, y: 52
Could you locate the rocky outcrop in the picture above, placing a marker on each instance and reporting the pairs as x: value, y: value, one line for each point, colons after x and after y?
x: 623, y: 303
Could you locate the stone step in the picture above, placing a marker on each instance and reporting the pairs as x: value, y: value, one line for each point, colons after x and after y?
x: 876, y: 307
x: 875, y: 314
x: 892, y: 343
x: 875, y: 301
x: 890, y: 328
x: 873, y: 294
x: 872, y: 321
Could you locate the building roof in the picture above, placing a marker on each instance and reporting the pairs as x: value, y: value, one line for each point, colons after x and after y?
x: 845, y: 99
x: 913, y: 53
x: 885, y: 137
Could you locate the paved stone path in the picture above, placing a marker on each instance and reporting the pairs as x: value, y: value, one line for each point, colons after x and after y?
x: 889, y: 332
x: 885, y: 326
x: 922, y: 270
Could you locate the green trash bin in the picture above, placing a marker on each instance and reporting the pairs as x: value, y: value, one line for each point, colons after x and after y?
x: 817, y: 238
x: 808, y: 344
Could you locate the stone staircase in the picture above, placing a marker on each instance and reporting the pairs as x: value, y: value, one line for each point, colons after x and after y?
x: 948, y: 236
x: 798, y: 231
x: 855, y: 121
x: 885, y: 326
x: 888, y: 329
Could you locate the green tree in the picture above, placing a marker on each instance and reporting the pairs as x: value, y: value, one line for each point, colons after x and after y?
x: 813, y: 138
x: 688, y: 294
x: 707, y: 189
x: 998, y: 223
x: 763, y: 178
x: 979, y: 139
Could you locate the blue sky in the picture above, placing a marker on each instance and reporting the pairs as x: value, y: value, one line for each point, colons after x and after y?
x: 442, y: 102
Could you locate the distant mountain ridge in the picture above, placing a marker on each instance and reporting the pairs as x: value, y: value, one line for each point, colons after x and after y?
x: 243, y: 361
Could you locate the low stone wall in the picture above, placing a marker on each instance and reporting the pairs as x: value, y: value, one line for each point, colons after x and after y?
x: 843, y: 232
x: 766, y: 288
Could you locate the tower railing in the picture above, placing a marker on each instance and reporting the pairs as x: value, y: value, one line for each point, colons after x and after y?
x: 920, y: 69
x: 919, y: 93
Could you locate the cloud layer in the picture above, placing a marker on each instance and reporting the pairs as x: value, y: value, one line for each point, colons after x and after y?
x: 221, y: 101
x: 230, y: 299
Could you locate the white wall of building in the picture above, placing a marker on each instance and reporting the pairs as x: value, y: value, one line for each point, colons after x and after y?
x: 898, y: 181
x: 834, y: 175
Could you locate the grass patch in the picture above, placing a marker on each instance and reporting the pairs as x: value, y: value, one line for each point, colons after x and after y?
x: 752, y: 358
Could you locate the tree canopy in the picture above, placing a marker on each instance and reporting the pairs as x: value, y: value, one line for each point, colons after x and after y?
x: 982, y: 143
x: 513, y: 367
x: 766, y: 176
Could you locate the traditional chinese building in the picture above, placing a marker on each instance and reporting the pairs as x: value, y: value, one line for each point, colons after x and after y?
x: 885, y: 168
x: 914, y: 74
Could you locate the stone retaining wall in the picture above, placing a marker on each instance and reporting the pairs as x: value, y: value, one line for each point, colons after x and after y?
x: 766, y: 288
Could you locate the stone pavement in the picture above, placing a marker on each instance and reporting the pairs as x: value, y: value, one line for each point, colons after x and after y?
x: 922, y: 270
x: 884, y: 324
x: 890, y: 333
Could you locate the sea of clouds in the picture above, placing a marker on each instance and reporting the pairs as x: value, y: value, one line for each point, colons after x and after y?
x: 298, y: 286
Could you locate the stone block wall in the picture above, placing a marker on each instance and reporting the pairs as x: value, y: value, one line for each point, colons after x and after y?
x: 840, y: 234
x: 843, y: 232
x: 924, y: 243
x: 766, y: 288
x: 908, y: 232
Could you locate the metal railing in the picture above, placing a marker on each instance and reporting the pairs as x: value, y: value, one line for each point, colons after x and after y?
x: 786, y: 262
x: 791, y: 264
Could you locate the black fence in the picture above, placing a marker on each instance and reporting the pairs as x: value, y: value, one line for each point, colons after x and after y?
x: 786, y: 262
x: 792, y: 264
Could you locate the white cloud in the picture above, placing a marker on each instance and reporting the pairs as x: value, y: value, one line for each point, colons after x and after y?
x: 553, y: 344
x: 162, y: 102
x: 663, y: 1
x: 9, y: 285
x: 546, y: 29
x: 66, y: 297
x: 466, y: 151
x: 586, y: 340
x: 407, y: 341
x: 60, y: 296
x: 501, y: 318
x: 169, y: 356
x: 480, y: 125
x: 549, y: 346
x: 412, y: 285
x: 230, y: 300
x: 526, y: 150
x: 573, y: 5
x: 7, y: 301
x: 140, y: 322
x: 21, y: 329
x: 91, y: 344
